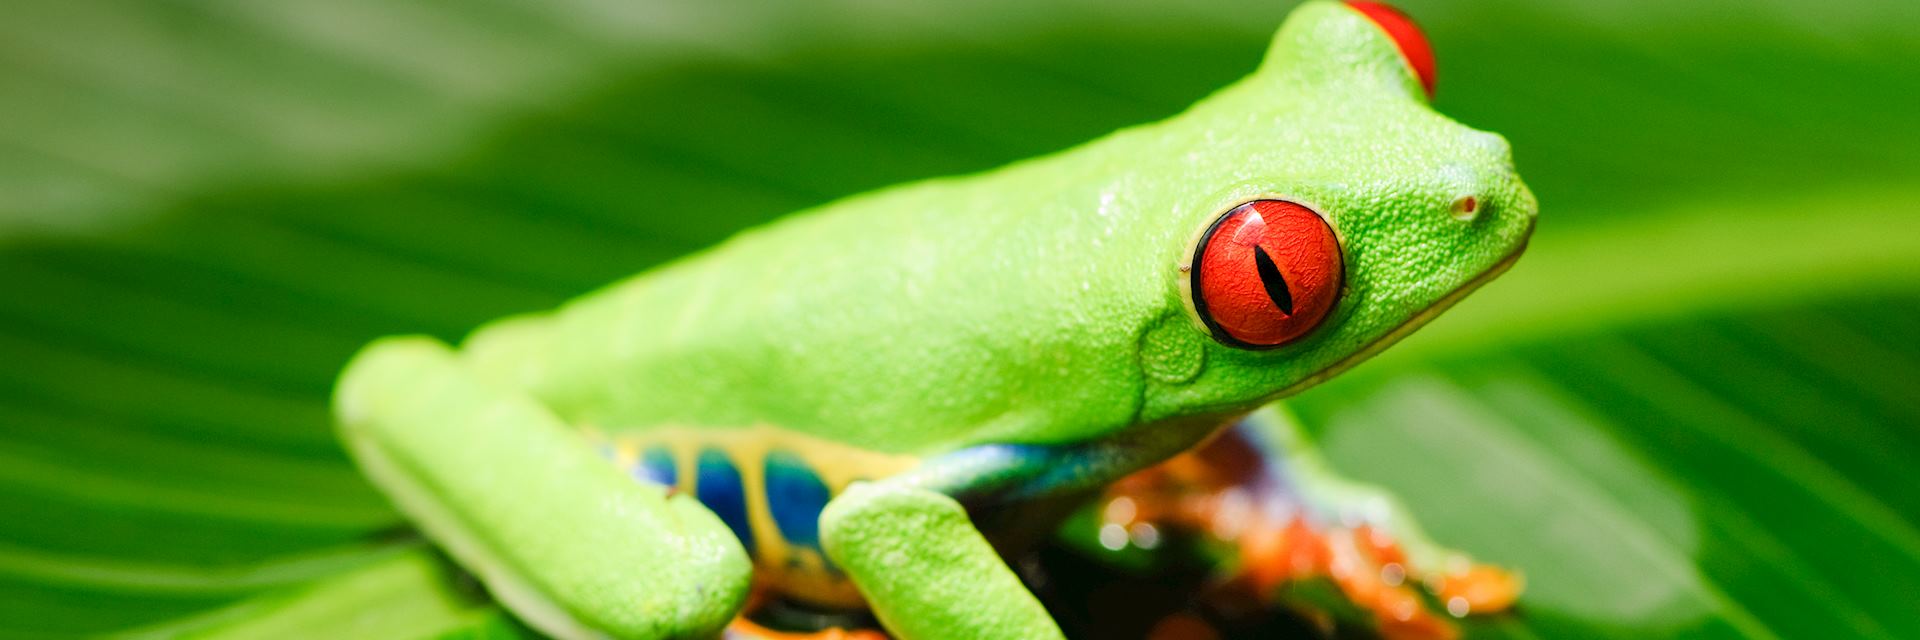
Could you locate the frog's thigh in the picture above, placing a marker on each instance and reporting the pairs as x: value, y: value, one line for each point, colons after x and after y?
x: 927, y: 573
x: 571, y: 545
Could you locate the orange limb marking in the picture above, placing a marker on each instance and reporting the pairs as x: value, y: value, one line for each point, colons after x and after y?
x: 744, y: 629
x: 1182, y: 627
x: 1480, y: 589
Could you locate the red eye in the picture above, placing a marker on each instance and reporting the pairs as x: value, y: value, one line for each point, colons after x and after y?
x: 1413, y: 43
x: 1266, y: 273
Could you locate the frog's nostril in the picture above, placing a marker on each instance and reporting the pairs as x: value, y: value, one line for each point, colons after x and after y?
x: 1465, y: 208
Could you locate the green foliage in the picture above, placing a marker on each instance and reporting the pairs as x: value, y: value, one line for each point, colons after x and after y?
x: 1690, y: 410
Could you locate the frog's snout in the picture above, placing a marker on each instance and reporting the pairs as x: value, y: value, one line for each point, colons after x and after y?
x: 1487, y: 183
x: 1492, y: 153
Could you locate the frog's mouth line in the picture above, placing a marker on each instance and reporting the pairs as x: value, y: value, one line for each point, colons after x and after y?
x: 1406, y: 328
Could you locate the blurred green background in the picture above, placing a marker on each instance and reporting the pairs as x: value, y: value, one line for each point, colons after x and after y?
x: 1693, y: 410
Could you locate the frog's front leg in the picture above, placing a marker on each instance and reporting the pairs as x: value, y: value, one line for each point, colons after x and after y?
x: 571, y: 545
x: 925, y: 570
x: 924, y: 567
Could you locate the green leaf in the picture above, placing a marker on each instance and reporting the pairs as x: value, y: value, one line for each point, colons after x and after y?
x: 1724, y: 476
x: 411, y: 595
x: 1689, y: 411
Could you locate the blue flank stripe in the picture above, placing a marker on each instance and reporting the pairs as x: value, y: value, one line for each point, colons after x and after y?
x: 796, y: 497
x: 718, y: 486
x: 657, y: 466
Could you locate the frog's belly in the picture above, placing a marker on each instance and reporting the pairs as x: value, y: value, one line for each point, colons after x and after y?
x: 769, y: 485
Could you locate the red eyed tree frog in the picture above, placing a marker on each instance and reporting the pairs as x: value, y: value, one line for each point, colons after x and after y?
x: 867, y: 403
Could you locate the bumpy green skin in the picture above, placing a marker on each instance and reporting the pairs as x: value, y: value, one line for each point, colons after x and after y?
x: 1020, y: 305
x: 1041, y: 303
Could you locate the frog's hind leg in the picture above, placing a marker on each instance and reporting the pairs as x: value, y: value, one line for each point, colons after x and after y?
x: 565, y: 540
x: 1264, y: 490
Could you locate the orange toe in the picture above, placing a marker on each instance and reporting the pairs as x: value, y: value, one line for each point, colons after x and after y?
x: 744, y: 629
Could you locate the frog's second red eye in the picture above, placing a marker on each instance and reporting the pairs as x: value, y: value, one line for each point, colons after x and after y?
x: 1407, y: 35
x: 1265, y: 274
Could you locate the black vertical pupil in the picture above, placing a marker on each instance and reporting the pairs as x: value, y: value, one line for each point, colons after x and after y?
x: 1271, y: 280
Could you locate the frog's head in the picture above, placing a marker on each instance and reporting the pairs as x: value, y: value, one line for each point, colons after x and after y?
x: 1347, y: 213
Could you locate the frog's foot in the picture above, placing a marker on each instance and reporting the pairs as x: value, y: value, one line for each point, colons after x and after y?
x: 769, y: 617
x: 744, y: 629
x: 1288, y: 521
x: 1373, y: 573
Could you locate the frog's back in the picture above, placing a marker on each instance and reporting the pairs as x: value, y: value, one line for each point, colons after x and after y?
x: 943, y: 300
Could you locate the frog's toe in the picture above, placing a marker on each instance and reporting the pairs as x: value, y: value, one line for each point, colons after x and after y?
x: 770, y: 616
x: 744, y: 629
x: 1478, y: 588
x: 1373, y: 566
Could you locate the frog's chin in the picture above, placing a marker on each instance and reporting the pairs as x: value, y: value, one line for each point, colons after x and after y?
x: 1406, y: 328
